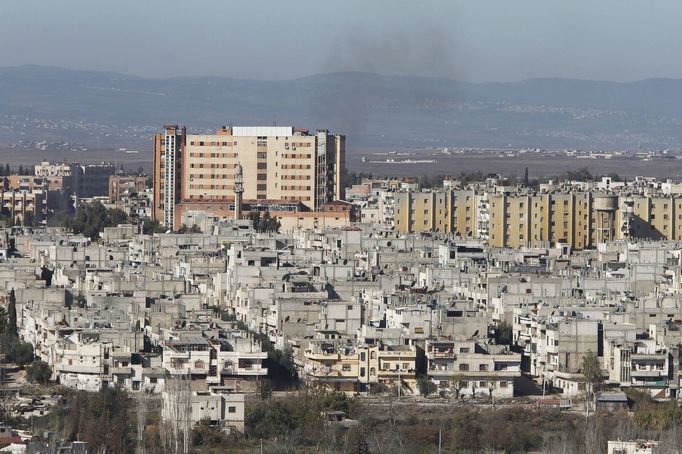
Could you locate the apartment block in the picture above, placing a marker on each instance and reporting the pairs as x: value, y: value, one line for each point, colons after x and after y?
x: 578, y: 219
x: 443, y: 211
x: 278, y: 164
x: 472, y: 367
x: 91, y: 180
x: 123, y: 187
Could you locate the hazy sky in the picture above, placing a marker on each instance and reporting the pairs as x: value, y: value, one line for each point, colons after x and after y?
x: 477, y: 40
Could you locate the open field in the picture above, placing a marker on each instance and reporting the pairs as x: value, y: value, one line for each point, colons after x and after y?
x: 29, y: 157
x: 539, y: 165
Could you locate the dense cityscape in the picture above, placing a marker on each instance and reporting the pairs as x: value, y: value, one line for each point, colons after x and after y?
x: 251, y: 292
x: 340, y: 227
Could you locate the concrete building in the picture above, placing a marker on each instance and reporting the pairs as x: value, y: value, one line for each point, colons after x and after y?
x: 277, y: 163
x: 31, y: 182
x: 47, y: 169
x: 472, y: 367
x: 24, y: 207
x: 443, y: 211
x: 578, y: 219
x: 91, y: 180
x: 123, y: 187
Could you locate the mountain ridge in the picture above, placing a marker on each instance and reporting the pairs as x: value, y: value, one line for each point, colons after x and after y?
x: 108, y: 108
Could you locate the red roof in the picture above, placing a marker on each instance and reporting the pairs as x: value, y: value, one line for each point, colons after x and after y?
x: 6, y: 441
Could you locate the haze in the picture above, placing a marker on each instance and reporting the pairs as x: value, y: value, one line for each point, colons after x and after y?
x: 467, y: 40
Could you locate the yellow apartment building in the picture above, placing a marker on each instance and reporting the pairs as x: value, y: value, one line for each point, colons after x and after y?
x: 436, y: 211
x: 581, y: 219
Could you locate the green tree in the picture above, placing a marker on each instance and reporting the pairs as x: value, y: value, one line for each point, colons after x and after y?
x: 12, y: 314
x: 264, y: 389
x: 265, y: 223
x: 269, y: 223
x: 116, y: 216
x: 592, y: 373
x: 39, y: 372
x: 17, y: 352
x: 150, y: 226
x: 4, y: 320
x: 503, y: 333
x: 281, y: 365
x: 426, y: 387
x: 209, y: 438
x: 192, y: 229
x: 91, y: 218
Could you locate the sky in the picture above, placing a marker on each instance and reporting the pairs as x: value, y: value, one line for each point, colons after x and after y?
x: 473, y: 40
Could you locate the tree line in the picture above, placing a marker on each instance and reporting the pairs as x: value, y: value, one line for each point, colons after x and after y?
x: 6, y: 170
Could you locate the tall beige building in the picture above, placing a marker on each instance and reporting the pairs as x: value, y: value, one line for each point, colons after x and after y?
x: 278, y: 164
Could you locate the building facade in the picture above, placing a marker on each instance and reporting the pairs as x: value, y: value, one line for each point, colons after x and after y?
x: 122, y: 187
x: 278, y: 163
x: 579, y: 219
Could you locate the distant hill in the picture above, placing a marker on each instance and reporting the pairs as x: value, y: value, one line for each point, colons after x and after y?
x: 97, y: 108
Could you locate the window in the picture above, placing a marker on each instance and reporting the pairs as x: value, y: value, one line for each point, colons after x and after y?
x: 464, y: 367
x: 232, y: 409
x: 482, y: 367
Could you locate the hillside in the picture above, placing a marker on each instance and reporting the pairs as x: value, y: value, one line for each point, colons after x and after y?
x: 107, y: 109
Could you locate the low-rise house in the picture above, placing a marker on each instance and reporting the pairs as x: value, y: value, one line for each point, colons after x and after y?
x: 471, y: 368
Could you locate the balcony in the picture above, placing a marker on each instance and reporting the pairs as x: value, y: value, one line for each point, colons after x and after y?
x: 121, y: 370
x: 441, y: 354
x: 649, y: 373
x: 252, y: 371
x: 407, y: 373
x: 647, y: 358
x: 78, y: 369
x: 651, y: 383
